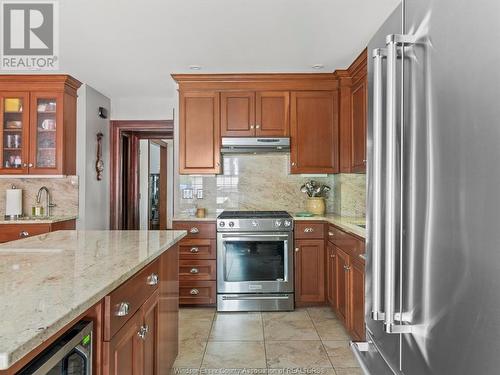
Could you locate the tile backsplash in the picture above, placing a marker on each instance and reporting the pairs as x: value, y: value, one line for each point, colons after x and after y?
x: 64, y: 192
x: 263, y: 182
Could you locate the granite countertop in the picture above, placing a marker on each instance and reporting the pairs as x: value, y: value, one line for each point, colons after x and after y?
x: 49, y: 280
x: 346, y: 223
x: 41, y: 220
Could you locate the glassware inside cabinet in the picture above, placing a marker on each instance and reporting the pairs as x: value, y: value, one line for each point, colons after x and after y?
x: 46, y: 133
x: 12, y: 130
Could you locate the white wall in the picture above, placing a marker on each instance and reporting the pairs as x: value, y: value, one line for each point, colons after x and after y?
x: 94, y: 205
x: 154, y: 158
x: 143, y: 108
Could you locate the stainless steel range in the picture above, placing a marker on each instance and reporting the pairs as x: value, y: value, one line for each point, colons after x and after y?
x: 254, y: 261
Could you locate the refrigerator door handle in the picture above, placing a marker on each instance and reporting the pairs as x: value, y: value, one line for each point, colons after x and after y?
x: 379, y: 54
x: 393, y: 207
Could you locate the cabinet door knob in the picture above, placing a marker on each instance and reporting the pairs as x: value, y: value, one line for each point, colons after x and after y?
x: 347, y: 268
x: 30, y: 165
x: 194, y: 292
x: 296, y: 249
x: 122, y: 309
x: 194, y: 250
x: 143, y: 331
x: 293, y: 164
x: 194, y: 230
x: 251, y: 126
x: 24, y: 234
x: 257, y: 126
x: 194, y: 271
x: 330, y: 234
x: 25, y: 165
x: 153, y: 279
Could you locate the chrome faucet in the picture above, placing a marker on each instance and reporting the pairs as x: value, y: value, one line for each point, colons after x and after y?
x: 48, y: 203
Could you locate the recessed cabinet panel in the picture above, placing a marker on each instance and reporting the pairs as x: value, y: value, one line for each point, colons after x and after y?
x: 342, y: 281
x: 237, y: 114
x: 272, y: 116
x: 199, y: 133
x: 314, y: 132
x: 309, y: 271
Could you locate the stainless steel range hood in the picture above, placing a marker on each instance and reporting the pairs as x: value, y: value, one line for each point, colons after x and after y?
x: 252, y: 145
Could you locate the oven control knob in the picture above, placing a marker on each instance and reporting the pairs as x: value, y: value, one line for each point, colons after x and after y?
x: 287, y: 223
x: 254, y: 223
x: 277, y: 223
x: 222, y: 224
x: 231, y: 224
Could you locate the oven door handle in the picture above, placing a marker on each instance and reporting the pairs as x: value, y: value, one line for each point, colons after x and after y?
x: 255, y: 237
x: 252, y: 298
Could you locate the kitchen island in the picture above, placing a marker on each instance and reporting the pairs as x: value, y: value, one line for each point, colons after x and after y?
x: 51, y: 281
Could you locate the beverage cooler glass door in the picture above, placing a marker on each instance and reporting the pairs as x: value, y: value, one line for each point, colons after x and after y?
x: 254, y: 263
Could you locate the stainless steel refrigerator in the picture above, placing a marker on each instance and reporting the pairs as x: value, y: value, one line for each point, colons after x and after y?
x: 433, y: 245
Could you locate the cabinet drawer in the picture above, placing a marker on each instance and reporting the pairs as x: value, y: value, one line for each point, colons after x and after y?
x: 347, y: 242
x: 197, y: 270
x: 305, y: 230
x: 124, y: 301
x: 196, y: 229
x: 197, y: 292
x: 197, y: 249
x: 12, y: 232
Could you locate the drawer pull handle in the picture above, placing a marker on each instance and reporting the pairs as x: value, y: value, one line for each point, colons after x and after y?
x: 347, y: 268
x: 143, y: 331
x: 194, y: 270
x: 24, y: 234
x: 194, y: 230
x: 330, y: 234
x: 153, y: 279
x: 122, y: 309
x: 308, y: 230
x: 194, y: 250
x: 194, y: 292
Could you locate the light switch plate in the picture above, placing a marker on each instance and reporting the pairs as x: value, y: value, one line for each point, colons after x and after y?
x: 187, y: 194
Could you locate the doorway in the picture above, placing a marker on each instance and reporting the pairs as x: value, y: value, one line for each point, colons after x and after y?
x: 130, y: 160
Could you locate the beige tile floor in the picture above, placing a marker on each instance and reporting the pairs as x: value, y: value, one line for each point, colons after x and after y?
x: 306, y: 341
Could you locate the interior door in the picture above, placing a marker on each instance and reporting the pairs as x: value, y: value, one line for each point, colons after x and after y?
x: 14, y: 132
x: 237, y: 114
x: 272, y: 114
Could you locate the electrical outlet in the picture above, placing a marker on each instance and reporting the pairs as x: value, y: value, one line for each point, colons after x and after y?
x: 199, y: 194
x: 187, y: 194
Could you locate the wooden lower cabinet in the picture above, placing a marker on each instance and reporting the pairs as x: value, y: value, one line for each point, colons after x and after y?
x: 123, y: 355
x: 12, y: 232
x: 151, y: 313
x: 331, y: 282
x: 342, y: 285
x: 309, y: 271
x: 357, y: 300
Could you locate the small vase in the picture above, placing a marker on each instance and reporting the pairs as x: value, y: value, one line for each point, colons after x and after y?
x: 316, y: 205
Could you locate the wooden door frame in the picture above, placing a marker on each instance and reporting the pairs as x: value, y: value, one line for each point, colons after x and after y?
x: 140, y: 129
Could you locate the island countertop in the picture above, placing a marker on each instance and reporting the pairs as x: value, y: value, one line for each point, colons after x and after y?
x: 49, y: 280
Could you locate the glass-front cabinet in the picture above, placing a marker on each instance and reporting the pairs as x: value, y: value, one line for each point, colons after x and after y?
x: 38, y: 124
x: 46, y: 132
x: 14, y: 132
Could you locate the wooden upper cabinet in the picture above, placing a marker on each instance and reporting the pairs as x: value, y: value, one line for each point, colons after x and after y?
x: 249, y: 114
x: 38, y: 129
x: 199, y: 133
x: 272, y: 114
x: 353, y: 115
x: 314, y: 132
x: 237, y: 114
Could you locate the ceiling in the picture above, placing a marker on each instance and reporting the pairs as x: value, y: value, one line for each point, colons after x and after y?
x: 128, y: 49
